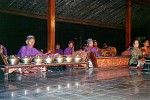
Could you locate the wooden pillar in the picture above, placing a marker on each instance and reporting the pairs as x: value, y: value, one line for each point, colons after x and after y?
x: 128, y: 23
x: 51, y: 25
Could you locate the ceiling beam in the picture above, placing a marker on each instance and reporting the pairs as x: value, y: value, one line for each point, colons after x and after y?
x: 87, y: 22
x: 21, y: 13
x: 58, y: 18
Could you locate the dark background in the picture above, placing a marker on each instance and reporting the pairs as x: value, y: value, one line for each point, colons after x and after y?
x: 14, y: 29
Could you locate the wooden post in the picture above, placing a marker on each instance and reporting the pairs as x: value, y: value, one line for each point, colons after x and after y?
x: 128, y: 23
x: 51, y: 25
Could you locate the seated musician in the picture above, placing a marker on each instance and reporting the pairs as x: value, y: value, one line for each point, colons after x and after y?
x: 3, y: 50
x: 84, y: 46
x: 29, y: 49
x: 145, y: 48
x: 58, y: 50
x: 70, y: 49
x: 136, y: 55
x: 95, y: 44
x: 91, y: 48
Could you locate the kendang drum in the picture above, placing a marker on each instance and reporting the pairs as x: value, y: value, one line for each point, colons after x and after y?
x: 113, y: 50
x: 109, y: 51
x: 105, y: 53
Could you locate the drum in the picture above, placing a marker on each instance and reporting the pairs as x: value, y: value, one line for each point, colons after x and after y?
x: 109, y: 51
x: 112, y: 50
x: 105, y: 53
x: 126, y: 53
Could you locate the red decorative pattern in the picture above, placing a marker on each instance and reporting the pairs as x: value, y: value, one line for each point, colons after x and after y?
x: 112, y: 61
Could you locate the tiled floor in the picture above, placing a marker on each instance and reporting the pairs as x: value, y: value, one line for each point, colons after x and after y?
x: 78, y: 84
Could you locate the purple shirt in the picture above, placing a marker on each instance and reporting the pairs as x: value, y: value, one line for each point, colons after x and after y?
x: 4, y: 50
x: 68, y: 51
x: 28, y: 51
x: 60, y: 51
x: 93, y: 49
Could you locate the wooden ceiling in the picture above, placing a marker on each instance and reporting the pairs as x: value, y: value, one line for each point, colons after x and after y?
x: 95, y: 12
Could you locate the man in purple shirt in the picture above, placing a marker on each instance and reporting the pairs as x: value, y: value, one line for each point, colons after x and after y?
x: 29, y: 49
x: 58, y: 50
x: 70, y: 49
x: 91, y: 48
x: 3, y: 50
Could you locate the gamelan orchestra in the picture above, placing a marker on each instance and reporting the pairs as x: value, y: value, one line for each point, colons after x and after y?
x: 91, y: 56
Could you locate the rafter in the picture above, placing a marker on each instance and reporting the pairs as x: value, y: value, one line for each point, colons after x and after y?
x: 21, y: 13
x: 87, y: 22
x: 59, y: 18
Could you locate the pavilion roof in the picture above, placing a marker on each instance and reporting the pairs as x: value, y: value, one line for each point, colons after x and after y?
x: 107, y: 13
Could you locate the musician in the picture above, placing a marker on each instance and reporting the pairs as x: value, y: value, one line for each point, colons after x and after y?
x: 145, y: 48
x: 136, y: 55
x: 91, y: 48
x: 84, y: 46
x: 58, y: 50
x: 95, y: 44
x: 70, y: 49
x: 29, y: 49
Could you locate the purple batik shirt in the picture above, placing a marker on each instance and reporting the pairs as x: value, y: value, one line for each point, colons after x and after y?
x: 93, y: 49
x: 60, y: 51
x: 28, y: 51
x: 68, y: 51
x: 4, y: 50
